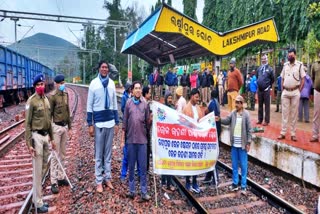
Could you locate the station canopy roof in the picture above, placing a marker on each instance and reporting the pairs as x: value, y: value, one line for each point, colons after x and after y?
x: 167, y: 35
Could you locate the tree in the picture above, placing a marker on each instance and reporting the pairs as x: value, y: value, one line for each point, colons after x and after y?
x: 66, y: 67
x: 312, y: 45
x: 290, y: 17
x: 169, y: 2
x: 189, y: 8
x: 103, y: 39
x: 91, y: 41
x: 313, y: 13
x: 295, y: 24
x: 210, y: 15
x: 158, y: 4
x: 135, y: 15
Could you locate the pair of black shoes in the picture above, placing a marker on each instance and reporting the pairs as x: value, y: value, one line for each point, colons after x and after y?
x: 55, y: 188
x: 144, y: 197
x: 44, y: 208
x: 210, y: 178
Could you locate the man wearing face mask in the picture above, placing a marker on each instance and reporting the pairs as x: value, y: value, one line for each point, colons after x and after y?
x: 136, y: 119
x: 265, y: 80
x: 234, y: 84
x: 102, y: 117
x: 38, y: 135
x: 292, y: 83
x: 60, y: 112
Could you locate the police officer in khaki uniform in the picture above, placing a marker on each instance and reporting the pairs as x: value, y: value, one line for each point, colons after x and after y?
x: 38, y: 135
x: 315, y: 73
x: 292, y: 83
x: 59, y: 103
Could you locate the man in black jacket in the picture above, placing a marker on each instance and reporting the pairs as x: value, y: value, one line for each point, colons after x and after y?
x: 265, y: 80
x: 185, y: 83
x: 159, y: 83
x: 204, y: 86
x: 210, y: 84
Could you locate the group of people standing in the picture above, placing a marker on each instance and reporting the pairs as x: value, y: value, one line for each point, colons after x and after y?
x: 137, y: 115
x: 48, y: 119
x: 294, y: 87
x: 204, y: 81
x: 47, y: 122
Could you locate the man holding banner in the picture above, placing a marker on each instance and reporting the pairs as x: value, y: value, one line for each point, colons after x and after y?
x: 240, y: 138
x: 182, y: 143
x: 193, y: 110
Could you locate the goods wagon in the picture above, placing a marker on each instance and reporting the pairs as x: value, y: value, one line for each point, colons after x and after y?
x: 16, y: 76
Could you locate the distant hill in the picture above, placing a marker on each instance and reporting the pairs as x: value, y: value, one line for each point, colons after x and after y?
x: 48, y: 49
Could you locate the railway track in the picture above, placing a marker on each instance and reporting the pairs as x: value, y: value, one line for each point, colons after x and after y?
x: 16, y: 169
x: 210, y: 200
x: 9, y: 136
x: 220, y: 199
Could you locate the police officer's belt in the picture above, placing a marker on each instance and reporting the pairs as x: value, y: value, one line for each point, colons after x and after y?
x: 61, y: 123
x: 42, y: 132
x: 291, y: 89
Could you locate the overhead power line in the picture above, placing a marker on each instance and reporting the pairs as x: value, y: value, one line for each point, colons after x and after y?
x: 62, y: 18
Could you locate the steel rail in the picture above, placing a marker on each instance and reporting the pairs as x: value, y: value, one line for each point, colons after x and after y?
x: 195, y: 203
x: 257, y: 189
x: 264, y: 193
x: 6, y: 145
x: 11, y: 127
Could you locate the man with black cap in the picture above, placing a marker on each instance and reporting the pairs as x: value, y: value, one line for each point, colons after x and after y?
x: 38, y: 135
x: 60, y: 112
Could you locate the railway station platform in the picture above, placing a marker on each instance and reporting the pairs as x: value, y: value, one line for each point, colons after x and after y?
x: 300, y: 159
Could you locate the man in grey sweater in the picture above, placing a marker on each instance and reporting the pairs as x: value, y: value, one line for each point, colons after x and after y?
x: 240, y: 138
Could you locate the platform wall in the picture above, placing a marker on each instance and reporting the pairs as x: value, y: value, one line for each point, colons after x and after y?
x: 297, y: 162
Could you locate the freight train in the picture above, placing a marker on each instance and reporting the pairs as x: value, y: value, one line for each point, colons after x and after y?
x: 16, y: 76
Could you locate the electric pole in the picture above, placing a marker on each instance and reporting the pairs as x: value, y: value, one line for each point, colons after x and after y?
x: 15, y: 32
x: 84, y: 71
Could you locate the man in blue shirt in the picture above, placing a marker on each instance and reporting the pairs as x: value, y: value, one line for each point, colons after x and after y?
x: 279, y: 92
x: 170, y: 80
x: 253, y: 89
x: 213, y: 107
x: 124, y: 167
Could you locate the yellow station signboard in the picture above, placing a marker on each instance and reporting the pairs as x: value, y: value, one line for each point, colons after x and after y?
x: 219, y: 44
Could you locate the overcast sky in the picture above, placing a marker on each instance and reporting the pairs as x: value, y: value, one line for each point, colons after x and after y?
x: 81, y: 8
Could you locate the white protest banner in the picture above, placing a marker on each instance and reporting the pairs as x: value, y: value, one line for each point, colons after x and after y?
x: 180, y: 145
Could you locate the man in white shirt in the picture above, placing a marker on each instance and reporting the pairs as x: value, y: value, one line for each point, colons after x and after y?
x: 102, y: 117
x: 181, y: 103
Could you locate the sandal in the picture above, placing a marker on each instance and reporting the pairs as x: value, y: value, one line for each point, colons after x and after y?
x: 257, y: 129
x: 314, y: 140
x: 294, y: 138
